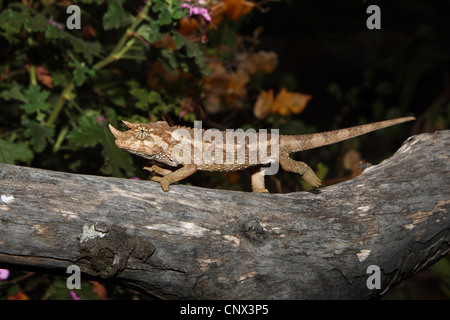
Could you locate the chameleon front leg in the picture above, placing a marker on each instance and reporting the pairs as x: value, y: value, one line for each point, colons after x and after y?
x: 174, y: 176
x: 307, y: 174
x: 258, y: 184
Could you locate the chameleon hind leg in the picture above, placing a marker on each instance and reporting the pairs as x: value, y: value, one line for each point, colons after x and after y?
x: 291, y: 165
x: 170, y: 177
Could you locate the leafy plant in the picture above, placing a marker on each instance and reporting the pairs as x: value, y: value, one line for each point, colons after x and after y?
x: 60, y: 86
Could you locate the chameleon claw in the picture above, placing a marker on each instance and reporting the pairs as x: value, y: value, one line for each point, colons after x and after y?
x: 165, y: 185
x: 313, y: 180
x: 310, y: 177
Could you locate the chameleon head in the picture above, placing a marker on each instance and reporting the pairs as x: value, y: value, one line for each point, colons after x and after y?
x: 140, y: 140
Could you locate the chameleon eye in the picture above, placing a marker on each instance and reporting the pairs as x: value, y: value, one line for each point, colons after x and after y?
x: 141, y: 133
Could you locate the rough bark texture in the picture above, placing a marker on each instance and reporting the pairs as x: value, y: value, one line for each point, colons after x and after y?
x: 217, y: 244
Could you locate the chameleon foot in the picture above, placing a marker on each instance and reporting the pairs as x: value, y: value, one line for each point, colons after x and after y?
x: 165, y: 183
x: 310, y: 177
x: 260, y: 190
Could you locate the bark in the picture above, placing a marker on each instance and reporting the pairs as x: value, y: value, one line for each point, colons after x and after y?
x: 196, y: 243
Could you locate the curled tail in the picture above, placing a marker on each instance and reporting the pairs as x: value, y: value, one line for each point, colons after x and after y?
x: 310, y: 141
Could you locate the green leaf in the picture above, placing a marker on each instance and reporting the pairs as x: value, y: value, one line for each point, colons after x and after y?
x: 36, y: 22
x: 154, y: 97
x: 14, y: 93
x: 10, y: 152
x: 192, y: 51
x: 178, y: 40
x: 87, y: 49
x: 88, y: 134
x: 178, y: 13
x: 145, y: 98
x: 150, y: 32
x: 53, y: 32
x: 11, y: 23
x: 38, y: 134
x: 164, y: 17
x: 170, y: 59
x: 60, y: 79
x: 132, y: 83
x: 115, y: 159
x: 141, y: 95
x: 114, y: 17
x: 168, y: 11
x: 36, y: 100
x: 117, y: 96
x: 80, y: 71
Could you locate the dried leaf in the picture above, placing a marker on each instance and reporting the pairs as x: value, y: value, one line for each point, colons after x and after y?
x: 264, y: 104
x: 42, y: 75
x: 236, y: 91
x: 188, y: 26
x: 261, y: 61
x: 18, y: 296
x: 234, y: 9
x: 99, y: 289
x: 351, y: 159
x: 287, y: 103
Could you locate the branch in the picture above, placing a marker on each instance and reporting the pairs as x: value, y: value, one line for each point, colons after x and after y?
x: 218, y: 244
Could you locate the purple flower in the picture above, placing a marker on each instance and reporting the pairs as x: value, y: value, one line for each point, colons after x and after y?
x: 74, y: 295
x: 194, y: 10
x: 4, y: 274
x: 184, y: 5
x: 53, y: 23
x: 205, y: 14
x: 182, y: 113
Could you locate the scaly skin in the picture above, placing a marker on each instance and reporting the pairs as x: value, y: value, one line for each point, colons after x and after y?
x: 161, y: 142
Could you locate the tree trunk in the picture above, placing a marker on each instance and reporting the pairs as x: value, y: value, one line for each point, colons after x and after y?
x: 195, y: 243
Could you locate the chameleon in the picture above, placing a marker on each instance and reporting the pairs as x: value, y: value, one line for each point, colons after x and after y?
x: 176, y: 146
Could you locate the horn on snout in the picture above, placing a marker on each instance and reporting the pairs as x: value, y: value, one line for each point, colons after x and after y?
x: 129, y: 124
x: 116, y: 133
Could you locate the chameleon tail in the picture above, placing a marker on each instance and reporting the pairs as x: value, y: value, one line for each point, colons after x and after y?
x: 297, y: 143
